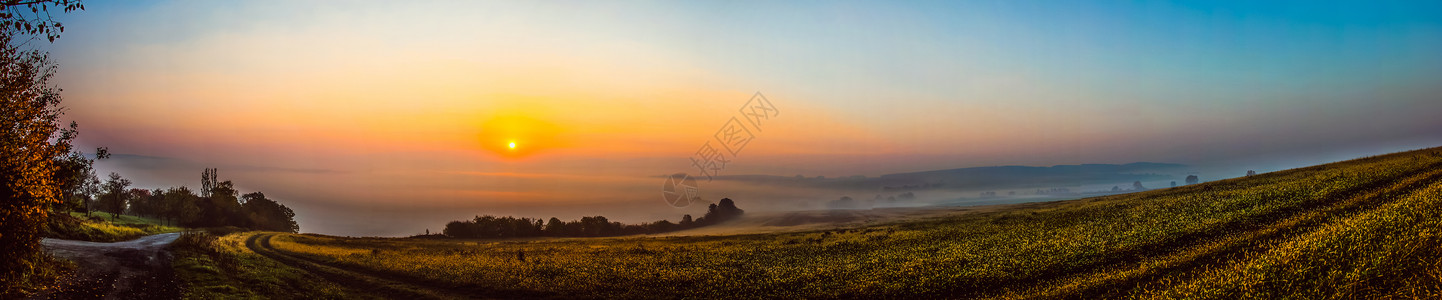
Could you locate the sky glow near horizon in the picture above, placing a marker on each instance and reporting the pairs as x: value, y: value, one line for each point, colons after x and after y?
x: 387, y: 118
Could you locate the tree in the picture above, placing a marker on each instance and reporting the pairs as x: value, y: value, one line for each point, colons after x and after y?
x: 724, y: 210
x: 660, y: 226
x: 460, y: 229
x: 38, y: 20
x: 74, y: 171
x: 181, y: 205
x: 555, y: 227
x: 728, y: 208
x: 221, y: 208
x: 686, y: 221
x: 592, y: 226
x: 1192, y: 179
x: 137, y: 201
x: 31, y: 139
x: 1251, y: 172
x: 207, y: 181
x: 114, y: 197
x: 595, y: 226
x: 1137, y: 185
x: 265, y: 214
x: 91, y: 190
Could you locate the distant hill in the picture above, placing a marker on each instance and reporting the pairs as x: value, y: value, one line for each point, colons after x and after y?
x: 984, y: 177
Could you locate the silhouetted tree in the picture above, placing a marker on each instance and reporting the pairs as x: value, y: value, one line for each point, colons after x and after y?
x: 114, y: 197
x: 266, y: 214
x: 91, y: 192
x: 73, y: 173
x: 590, y: 226
x: 722, y: 211
x: 555, y: 227
x: 207, y: 181
x: 32, y: 17
x: 1174, y: 183
x: 134, y: 196
x: 1251, y: 172
x: 1137, y: 185
x: 1192, y: 179
x: 659, y: 226
x: 181, y: 205
x: 222, y: 208
x: 460, y: 229
x: 147, y: 203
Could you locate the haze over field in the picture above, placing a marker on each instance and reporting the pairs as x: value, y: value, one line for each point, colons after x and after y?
x: 387, y: 118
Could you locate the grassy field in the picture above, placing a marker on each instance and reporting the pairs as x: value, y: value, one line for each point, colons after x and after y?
x: 1364, y: 228
x: 215, y: 264
x: 101, y: 228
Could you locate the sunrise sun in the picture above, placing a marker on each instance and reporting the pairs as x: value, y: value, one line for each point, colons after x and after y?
x: 515, y: 136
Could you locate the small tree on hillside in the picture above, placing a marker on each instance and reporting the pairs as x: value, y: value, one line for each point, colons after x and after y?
x: 115, y: 195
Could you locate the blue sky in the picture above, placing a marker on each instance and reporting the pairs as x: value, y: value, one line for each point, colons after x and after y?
x: 381, y: 96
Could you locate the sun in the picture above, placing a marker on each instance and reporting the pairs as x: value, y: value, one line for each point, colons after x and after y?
x: 515, y: 137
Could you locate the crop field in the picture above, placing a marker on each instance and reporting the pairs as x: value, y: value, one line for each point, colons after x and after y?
x: 1362, y: 228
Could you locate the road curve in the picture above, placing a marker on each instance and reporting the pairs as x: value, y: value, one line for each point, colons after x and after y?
x: 134, y: 269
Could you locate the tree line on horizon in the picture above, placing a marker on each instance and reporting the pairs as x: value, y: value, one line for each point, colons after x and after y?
x: 597, y: 226
x: 216, y: 204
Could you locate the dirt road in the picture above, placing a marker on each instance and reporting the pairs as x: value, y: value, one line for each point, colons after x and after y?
x: 135, y: 269
x: 360, y: 282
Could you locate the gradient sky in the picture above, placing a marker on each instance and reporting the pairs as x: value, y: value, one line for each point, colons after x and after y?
x: 387, y: 118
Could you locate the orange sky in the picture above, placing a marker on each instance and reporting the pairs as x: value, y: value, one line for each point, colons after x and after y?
x: 405, y: 111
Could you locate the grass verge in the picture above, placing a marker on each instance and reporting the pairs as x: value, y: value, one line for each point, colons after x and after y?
x: 99, y: 228
x: 213, y: 264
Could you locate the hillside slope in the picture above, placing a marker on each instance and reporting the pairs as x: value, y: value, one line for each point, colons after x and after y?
x: 1364, y: 228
